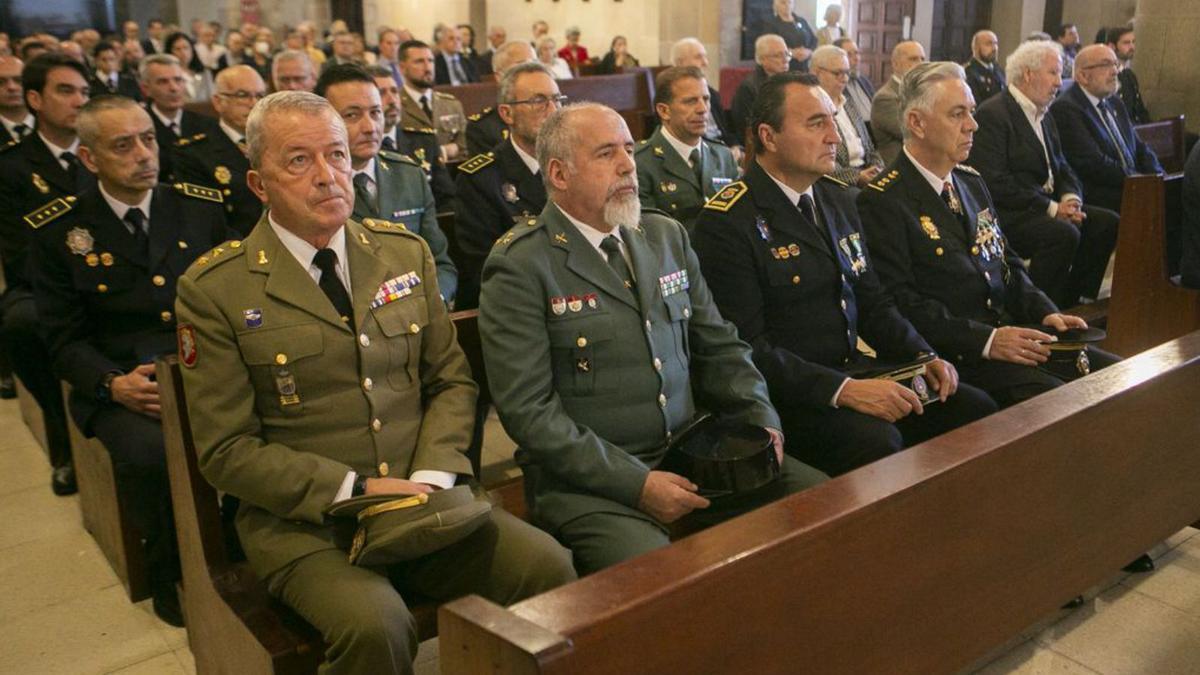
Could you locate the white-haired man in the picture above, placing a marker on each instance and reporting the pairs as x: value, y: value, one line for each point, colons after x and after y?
x: 691, y: 52
x: 772, y: 55
x: 1038, y: 197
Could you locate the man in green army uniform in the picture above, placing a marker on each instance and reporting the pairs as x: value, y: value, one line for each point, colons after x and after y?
x: 601, y: 339
x: 320, y: 364
x: 387, y: 185
x: 678, y: 169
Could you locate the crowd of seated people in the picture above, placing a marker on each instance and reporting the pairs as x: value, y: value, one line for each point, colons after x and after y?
x: 752, y: 262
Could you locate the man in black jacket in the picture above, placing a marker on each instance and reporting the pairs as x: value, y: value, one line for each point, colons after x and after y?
x: 1039, y: 198
x: 691, y: 52
x: 1098, y: 139
x: 163, y: 84
x: 108, y: 78
x: 787, y: 262
x: 984, y: 75
x: 451, y: 65
x: 772, y: 56
x: 1122, y: 41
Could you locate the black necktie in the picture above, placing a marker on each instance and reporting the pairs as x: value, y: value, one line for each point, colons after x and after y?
x: 809, y: 210
x: 21, y: 131
x: 72, y: 164
x: 388, y: 143
x: 137, y: 222
x: 362, y: 191
x: 612, y: 248
x: 697, y: 168
x: 426, y: 108
x: 331, y: 285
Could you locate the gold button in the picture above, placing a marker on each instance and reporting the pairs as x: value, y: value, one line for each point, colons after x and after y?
x: 235, y: 244
x: 376, y: 425
x: 414, y: 328
x: 581, y: 342
x: 368, y: 384
x: 687, y: 312
x: 939, y: 250
x: 383, y: 469
x: 103, y: 288
x: 165, y: 316
x: 662, y: 400
x: 158, y: 280
x: 369, y: 222
x: 974, y: 250
x: 364, y: 340
x: 281, y: 359
x: 657, y: 364
x: 226, y: 192
x: 796, y: 279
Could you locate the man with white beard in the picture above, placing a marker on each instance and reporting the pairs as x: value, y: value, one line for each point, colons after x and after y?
x: 601, y: 339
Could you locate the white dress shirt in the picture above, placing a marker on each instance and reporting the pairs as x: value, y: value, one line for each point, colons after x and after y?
x: 530, y: 161
x: 57, y: 151
x: 684, y: 150
x: 594, y: 237
x: 9, y: 124
x: 120, y: 208
x: 176, y: 120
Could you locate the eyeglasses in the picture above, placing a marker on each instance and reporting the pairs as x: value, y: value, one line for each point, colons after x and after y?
x: 540, y: 101
x: 242, y: 96
x: 787, y: 56
x: 1107, y: 65
x: 836, y: 73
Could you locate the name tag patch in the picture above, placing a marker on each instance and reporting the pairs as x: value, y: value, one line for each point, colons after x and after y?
x: 395, y: 288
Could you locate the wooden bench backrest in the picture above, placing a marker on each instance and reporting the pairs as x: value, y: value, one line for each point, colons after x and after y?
x: 1166, y: 138
x: 1146, y: 309
x: 922, y: 562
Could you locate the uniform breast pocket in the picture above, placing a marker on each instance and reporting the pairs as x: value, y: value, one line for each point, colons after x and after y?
x: 284, y: 368
x: 679, y: 311
x: 104, y: 280
x: 783, y: 275
x: 580, y: 353
x: 403, y: 323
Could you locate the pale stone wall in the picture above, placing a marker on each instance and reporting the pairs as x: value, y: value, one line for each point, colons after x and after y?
x: 1168, y: 57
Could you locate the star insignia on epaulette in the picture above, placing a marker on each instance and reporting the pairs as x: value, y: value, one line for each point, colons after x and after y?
x: 200, y: 192
x: 726, y: 198
x: 477, y: 162
x: 49, y: 211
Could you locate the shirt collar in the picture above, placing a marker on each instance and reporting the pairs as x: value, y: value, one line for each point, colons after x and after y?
x: 934, y: 182
x: 233, y: 134
x: 120, y: 208
x: 304, y: 252
x: 792, y: 195
x: 530, y: 161
x: 1031, y: 110
x: 168, y: 121
x: 682, y: 148
x: 593, y: 236
x: 56, y: 150
x: 369, y: 169
x: 1095, y: 101
x: 8, y: 124
x: 417, y: 96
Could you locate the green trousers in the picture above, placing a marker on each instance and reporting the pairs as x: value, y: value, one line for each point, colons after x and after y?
x: 361, y: 612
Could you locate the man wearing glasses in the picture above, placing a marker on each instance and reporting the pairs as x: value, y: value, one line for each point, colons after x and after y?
x: 1096, y: 131
x: 218, y: 160
x: 772, y: 55
x: 857, y: 161
x: 504, y: 186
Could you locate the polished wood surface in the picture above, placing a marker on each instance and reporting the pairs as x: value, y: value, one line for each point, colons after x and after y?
x: 1166, y: 138
x: 922, y: 562
x: 1146, y: 308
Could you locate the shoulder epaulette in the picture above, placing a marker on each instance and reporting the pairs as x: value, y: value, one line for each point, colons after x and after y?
x: 200, y: 192
x: 385, y: 226
x: 966, y: 169
x: 884, y: 181
x: 726, y: 198
x: 517, y: 231
x: 477, y: 162
x: 191, y: 139
x: 420, y: 130
x: 9, y: 146
x: 219, y: 254
x: 393, y: 156
x: 836, y: 180
x: 49, y: 212
x: 440, y: 94
x: 481, y: 114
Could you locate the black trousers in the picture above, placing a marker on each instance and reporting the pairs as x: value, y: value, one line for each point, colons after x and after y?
x: 837, y: 440
x: 1010, y: 383
x: 1066, y: 261
x: 135, y: 443
x: 31, y: 362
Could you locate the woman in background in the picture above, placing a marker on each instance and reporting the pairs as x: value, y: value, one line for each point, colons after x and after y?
x: 618, y: 57
x: 557, y: 66
x: 197, y: 78
x: 832, y: 30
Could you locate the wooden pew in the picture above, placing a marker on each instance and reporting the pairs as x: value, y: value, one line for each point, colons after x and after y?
x: 1166, y: 138
x: 106, y: 515
x: 922, y: 562
x: 1147, y: 308
x: 233, y: 625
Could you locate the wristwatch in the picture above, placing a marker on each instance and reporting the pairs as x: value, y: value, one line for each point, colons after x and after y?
x: 104, y: 389
x: 360, y: 486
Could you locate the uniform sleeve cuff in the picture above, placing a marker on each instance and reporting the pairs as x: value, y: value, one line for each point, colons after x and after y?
x: 346, y: 490
x: 987, y: 346
x: 1052, y: 209
x: 443, y: 479
x: 836, y: 394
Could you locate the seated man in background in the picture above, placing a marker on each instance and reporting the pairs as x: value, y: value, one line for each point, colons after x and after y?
x: 425, y: 108
x: 601, y: 340
x: 885, y: 107
x: 772, y: 55
x: 859, y: 89
x: 984, y: 74
x: 504, y: 187
x: 1038, y: 198
x: 787, y: 263
x: 319, y: 393
x: 857, y: 161
x: 218, y: 160
x: 165, y: 89
x: 387, y: 185
x: 1097, y: 135
x: 293, y: 70
x: 418, y: 143
x: 691, y: 52
x: 678, y: 169
x: 104, y: 273
x: 485, y: 129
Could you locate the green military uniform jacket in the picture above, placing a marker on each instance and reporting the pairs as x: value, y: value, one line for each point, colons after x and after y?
x: 667, y: 183
x: 285, y: 398
x: 591, y: 379
x: 403, y: 196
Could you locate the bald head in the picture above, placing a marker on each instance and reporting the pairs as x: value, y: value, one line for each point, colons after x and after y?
x: 905, y: 56
x: 1096, y: 70
x: 511, y: 54
x: 689, y: 52
x: 238, y: 89
x: 984, y: 46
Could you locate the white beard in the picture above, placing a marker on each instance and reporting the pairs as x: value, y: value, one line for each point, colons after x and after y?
x: 623, y: 212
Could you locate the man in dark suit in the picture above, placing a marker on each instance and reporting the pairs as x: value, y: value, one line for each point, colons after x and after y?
x: 795, y: 30
x: 1039, y: 198
x: 940, y: 251
x: 772, y: 56
x: 163, y: 85
x: 1097, y: 135
x: 108, y: 77
x: 451, y: 65
x: 691, y: 52
x: 153, y: 44
x: 787, y: 262
x: 1189, y: 264
x: 104, y: 272
x: 984, y: 74
x: 40, y: 178
x: 503, y: 187
x: 485, y: 129
x: 1122, y: 41
x: 218, y: 159
x: 16, y: 122
x: 885, y: 107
